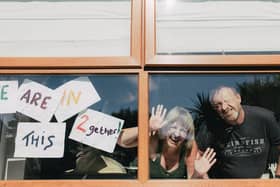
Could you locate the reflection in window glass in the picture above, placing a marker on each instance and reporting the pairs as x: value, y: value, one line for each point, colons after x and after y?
x: 63, y: 28
x: 217, y: 26
x: 241, y: 152
x: 80, y: 159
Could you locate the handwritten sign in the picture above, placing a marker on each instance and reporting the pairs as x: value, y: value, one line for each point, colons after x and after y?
x: 37, y: 101
x: 76, y: 96
x: 97, y: 130
x: 45, y: 140
x: 8, y: 96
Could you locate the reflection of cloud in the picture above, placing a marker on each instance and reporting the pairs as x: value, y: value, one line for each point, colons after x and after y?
x: 133, y: 80
x: 153, y: 86
x: 105, y: 107
x: 128, y: 98
x: 131, y: 97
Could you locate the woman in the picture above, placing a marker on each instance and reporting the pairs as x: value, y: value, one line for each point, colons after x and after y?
x: 172, y: 146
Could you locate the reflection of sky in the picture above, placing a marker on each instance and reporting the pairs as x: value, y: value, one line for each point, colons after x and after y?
x: 116, y: 91
x: 171, y: 90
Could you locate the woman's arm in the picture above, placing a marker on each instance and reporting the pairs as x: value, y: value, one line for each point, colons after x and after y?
x: 277, y: 172
x: 190, y: 158
x: 155, y: 123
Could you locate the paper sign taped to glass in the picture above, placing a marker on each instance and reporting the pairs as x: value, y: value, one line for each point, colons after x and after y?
x: 76, y: 96
x: 40, y: 140
x: 37, y: 101
x: 97, y: 130
x: 8, y: 96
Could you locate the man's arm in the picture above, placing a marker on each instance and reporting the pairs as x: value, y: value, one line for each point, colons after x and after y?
x: 128, y: 137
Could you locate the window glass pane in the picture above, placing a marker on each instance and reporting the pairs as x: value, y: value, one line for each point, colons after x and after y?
x: 240, y: 151
x: 65, y: 28
x: 30, y: 151
x: 217, y: 26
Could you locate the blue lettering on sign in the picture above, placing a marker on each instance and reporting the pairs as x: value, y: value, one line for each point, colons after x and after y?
x: 31, y: 139
x: 101, y: 130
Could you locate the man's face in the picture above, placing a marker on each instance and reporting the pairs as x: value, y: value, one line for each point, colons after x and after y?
x: 228, y: 105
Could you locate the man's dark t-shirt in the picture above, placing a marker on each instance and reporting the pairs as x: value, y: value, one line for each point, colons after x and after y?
x: 242, y: 150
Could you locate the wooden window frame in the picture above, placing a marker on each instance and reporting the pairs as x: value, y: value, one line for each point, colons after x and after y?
x: 154, y: 60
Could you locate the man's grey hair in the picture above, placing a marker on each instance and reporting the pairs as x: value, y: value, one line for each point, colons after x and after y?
x: 214, y: 91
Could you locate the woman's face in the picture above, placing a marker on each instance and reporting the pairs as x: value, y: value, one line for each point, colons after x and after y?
x: 177, y: 134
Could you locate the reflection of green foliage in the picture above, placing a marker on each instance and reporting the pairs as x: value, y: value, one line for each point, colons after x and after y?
x: 129, y: 116
x: 263, y: 92
x: 126, y: 155
x: 204, y: 113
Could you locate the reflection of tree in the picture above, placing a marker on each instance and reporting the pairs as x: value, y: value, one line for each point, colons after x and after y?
x: 130, y: 117
x: 263, y: 92
x: 202, y: 110
x: 205, y: 119
x: 126, y: 155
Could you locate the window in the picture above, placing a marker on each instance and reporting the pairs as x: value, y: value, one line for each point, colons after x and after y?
x: 217, y: 27
x: 189, y: 94
x: 74, y: 30
x: 119, y: 100
x: 211, y: 33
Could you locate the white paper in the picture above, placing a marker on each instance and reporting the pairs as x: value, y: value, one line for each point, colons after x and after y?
x: 35, y: 140
x: 8, y: 96
x: 97, y: 130
x: 37, y: 101
x: 76, y: 96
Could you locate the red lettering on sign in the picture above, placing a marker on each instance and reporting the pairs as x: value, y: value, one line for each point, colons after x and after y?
x: 79, y: 127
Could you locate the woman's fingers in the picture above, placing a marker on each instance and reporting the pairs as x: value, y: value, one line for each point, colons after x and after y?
x: 209, y: 154
x: 153, y: 111
x: 163, y: 113
x: 212, y: 162
x: 212, y: 156
x: 159, y: 110
x: 206, y: 152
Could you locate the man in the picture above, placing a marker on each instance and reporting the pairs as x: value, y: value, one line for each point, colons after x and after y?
x: 243, y: 138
